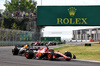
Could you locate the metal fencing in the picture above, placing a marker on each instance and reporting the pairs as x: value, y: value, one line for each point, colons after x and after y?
x: 10, y: 37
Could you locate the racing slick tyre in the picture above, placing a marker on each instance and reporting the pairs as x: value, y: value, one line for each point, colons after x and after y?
x: 68, y: 54
x: 51, y: 56
x: 54, y: 43
x: 29, y: 54
x: 15, y: 51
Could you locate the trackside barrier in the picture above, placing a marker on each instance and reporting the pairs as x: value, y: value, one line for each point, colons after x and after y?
x: 13, y: 43
x: 9, y: 37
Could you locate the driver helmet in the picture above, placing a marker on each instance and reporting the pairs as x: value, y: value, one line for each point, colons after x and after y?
x: 26, y: 46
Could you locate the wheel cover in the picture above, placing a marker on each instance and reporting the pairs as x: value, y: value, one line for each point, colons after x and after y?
x: 49, y: 56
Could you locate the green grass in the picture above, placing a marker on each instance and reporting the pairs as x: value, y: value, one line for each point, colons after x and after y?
x: 69, y: 43
x: 83, y: 52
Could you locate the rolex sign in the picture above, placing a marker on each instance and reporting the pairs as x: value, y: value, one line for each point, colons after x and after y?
x: 68, y: 15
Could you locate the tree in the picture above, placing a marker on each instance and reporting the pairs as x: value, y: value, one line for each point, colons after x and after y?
x: 20, y: 5
x: 1, y: 26
x: 22, y: 24
x: 8, y: 22
x: 3, y: 33
x: 13, y: 33
x: 14, y: 26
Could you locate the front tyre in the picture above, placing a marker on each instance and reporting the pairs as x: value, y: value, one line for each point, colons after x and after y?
x: 68, y: 54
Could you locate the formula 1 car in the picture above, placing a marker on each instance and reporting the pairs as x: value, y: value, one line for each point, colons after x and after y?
x: 51, y: 43
x: 16, y: 50
x: 50, y: 54
x: 39, y: 43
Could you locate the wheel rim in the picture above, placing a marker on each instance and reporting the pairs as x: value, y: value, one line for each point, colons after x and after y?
x: 49, y: 56
x: 27, y: 54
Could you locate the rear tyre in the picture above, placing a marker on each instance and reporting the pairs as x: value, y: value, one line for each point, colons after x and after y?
x: 29, y: 54
x: 54, y: 43
x: 15, y: 51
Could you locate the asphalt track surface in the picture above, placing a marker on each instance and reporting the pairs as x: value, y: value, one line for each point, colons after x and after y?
x: 7, y: 59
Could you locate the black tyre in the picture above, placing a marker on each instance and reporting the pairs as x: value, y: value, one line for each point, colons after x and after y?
x: 29, y: 54
x: 68, y: 54
x: 51, y: 55
x: 54, y: 43
x: 15, y: 51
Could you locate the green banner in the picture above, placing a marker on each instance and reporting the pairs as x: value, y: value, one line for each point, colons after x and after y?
x: 47, y: 39
x: 68, y: 15
x: 25, y: 36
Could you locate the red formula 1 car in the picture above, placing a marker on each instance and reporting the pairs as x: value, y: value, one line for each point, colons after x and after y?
x: 50, y: 54
x: 39, y: 43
